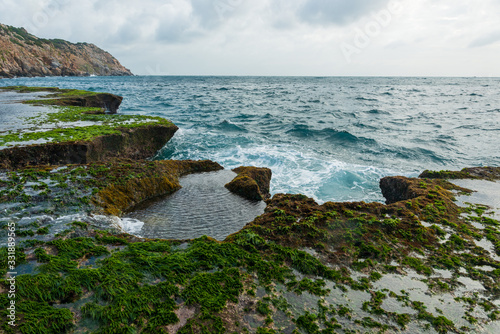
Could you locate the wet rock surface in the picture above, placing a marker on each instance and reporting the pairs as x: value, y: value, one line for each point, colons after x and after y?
x: 420, y: 263
x: 415, y: 264
x: 480, y: 173
x: 251, y: 183
x: 73, y: 128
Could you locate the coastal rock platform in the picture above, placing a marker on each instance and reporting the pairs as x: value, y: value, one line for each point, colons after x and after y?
x: 427, y: 261
x: 72, y: 127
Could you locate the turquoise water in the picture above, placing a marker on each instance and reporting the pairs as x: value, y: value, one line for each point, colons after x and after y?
x: 329, y: 138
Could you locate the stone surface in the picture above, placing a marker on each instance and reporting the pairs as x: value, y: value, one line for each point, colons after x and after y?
x: 136, y: 143
x: 25, y: 55
x: 251, y: 183
x: 399, y: 188
x: 484, y: 173
x: 79, y: 131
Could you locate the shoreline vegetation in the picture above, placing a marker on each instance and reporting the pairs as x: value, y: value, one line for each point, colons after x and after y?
x: 418, y: 263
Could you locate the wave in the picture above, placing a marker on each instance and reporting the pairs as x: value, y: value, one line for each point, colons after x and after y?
x: 377, y: 111
x: 328, y: 134
x: 226, y: 126
x: 468, y: 127
x: 361, y: 98
x: 419, y: 154
x: 165, y: 104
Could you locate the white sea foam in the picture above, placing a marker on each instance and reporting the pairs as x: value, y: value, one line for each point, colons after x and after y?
x: 131, y: 226
x: 321, y: 177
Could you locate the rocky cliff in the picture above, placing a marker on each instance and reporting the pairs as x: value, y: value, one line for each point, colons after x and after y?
x: 25, y: 55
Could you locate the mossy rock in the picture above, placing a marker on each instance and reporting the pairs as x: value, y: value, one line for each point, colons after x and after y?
x: 482, y: 173
x: 251, y: 183
x: 79, y: 131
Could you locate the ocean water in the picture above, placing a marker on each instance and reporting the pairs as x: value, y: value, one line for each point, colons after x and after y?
x: 331, y: 138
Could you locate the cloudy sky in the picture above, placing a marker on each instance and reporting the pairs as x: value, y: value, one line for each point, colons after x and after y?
x: 277, y: 37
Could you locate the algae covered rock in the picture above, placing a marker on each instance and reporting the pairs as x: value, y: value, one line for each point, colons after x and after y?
x: 400, y: 188
x: 251, y: 183
x: 72, y: 127
x: 131, y: 183
x: 484, y: 173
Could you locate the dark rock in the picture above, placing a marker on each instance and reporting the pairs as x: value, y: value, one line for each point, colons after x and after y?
x: 135, y: 143
x: 251, y: 183
x: 400, y: 188
x: 110, y: 102
x: 483, y: 173
x: 160, y: 178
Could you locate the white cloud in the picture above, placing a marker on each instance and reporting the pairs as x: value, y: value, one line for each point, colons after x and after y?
x: 275, y: 37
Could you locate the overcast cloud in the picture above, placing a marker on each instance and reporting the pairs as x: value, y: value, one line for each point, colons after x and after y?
x: 277, y: 37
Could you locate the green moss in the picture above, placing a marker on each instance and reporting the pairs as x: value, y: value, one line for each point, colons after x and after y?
x: 105, y: 124
x: 418, y: 265
x: 307, y: 322
x: 212, y: 291
x: 263, y: 308
x: 43, y: 318
x: 81, y: 225
x: 446, y: 174
x: 43, y: 230
x: 313, y: 287
x: 403, y: 319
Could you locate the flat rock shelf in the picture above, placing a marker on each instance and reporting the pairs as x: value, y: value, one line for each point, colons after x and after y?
x: 485, y: 193
x: 202, y: 207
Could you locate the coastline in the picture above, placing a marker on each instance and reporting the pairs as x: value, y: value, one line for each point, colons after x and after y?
x: 296, y: 256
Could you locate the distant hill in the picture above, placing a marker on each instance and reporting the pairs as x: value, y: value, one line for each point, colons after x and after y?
x: 25, y: 55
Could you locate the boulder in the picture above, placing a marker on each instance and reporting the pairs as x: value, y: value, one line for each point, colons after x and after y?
x: 251, y: 183
x: 400, y: 188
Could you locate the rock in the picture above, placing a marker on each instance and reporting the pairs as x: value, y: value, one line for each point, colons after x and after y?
x: 25, y: 55
x: 136, y: 143
x: 110, y: 137
x: 110, y: 102
x: 160, y: 178
x: 400, y: 188
x: 251, y: 183
x: 484, y: 173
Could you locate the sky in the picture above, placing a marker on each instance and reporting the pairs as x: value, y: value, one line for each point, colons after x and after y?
x: 277, y: 37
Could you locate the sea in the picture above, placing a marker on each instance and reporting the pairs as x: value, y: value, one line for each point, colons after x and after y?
x: 330, y: 138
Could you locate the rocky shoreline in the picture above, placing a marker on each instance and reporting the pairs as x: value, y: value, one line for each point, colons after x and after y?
x: 415, y: 264
x: 25, y: 55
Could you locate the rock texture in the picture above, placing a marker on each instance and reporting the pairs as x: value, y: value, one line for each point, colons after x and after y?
x: 73, y: 97
x: 484, y: 173
x: 25, y: 55
x: 251, y: 183
x: 136, y: 143
x: 400, y: 188
x: 159, y: 178
x: 107, y: 101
